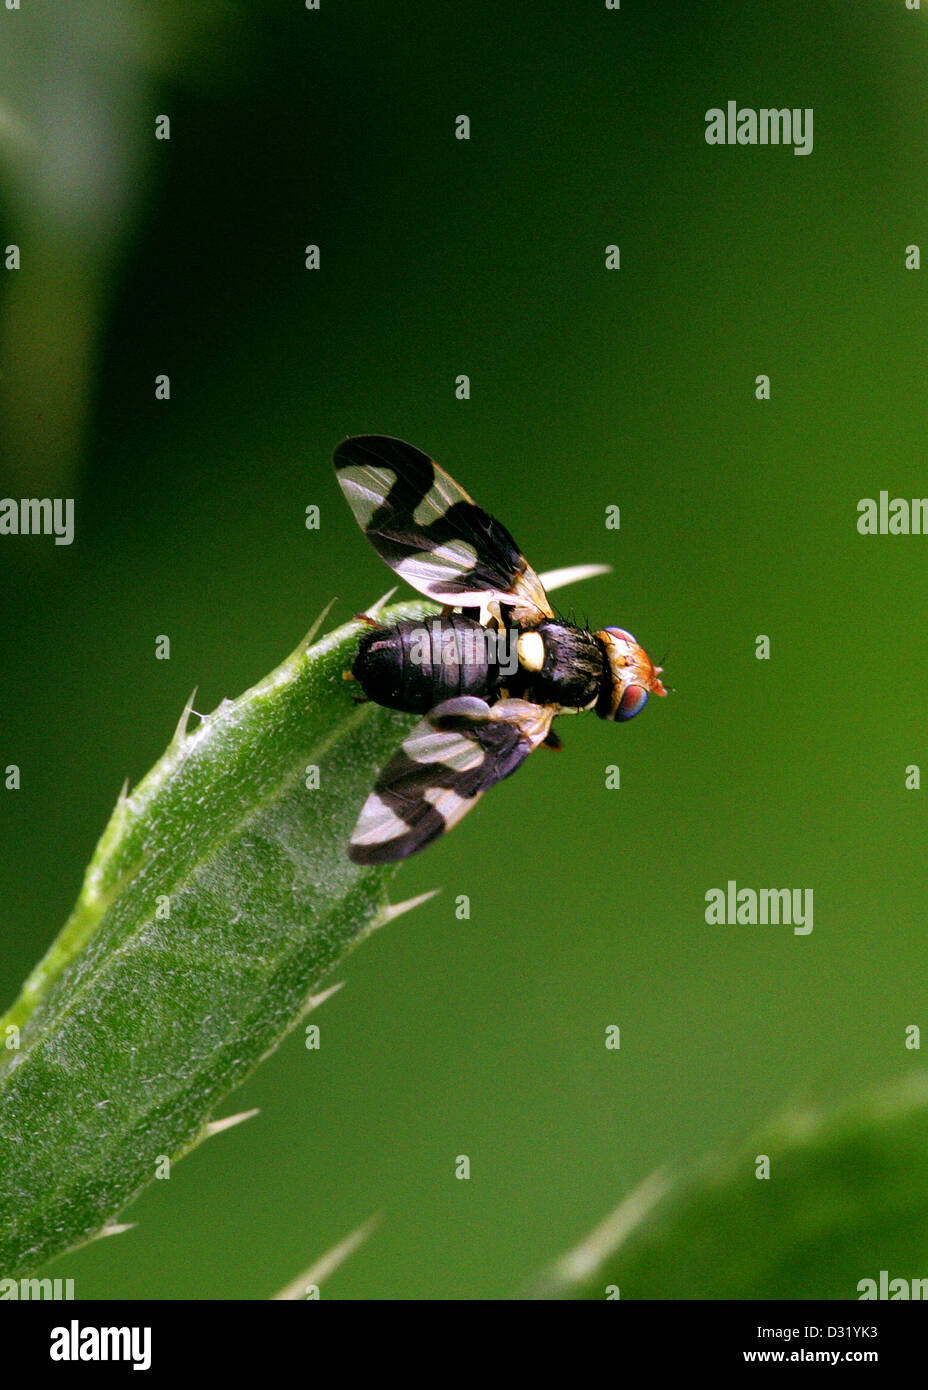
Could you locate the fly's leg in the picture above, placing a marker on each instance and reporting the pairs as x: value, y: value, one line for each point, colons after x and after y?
x: 358, y: 699
x: 350, y: 675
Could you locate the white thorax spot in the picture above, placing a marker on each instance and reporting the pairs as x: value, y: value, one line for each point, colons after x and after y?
x: 531, y: 651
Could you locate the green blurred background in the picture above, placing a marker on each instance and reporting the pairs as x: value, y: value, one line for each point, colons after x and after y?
x: 589, y: 388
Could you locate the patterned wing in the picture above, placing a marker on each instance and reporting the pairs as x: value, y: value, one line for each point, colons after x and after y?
x: 441, y: 769
x: 429, y: 531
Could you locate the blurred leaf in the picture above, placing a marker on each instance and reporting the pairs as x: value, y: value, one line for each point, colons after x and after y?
x: 846, y: 1198
x: 137, y: 1024
x: 80, y: 87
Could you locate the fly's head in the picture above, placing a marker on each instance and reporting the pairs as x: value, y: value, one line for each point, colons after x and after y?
x: 630, y: 676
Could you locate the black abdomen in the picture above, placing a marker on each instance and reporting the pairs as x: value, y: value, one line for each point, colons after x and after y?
x: 417, y: 663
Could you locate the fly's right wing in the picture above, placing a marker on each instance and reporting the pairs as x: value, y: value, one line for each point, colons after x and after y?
x: 427, y: 529
x: 440, y: 771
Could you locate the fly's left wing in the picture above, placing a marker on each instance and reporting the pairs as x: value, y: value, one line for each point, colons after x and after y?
x: 429, y: 531
x: 441, y: 769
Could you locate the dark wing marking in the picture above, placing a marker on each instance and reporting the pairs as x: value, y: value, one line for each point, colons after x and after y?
x: 441, y: 769
x: 429, y: 531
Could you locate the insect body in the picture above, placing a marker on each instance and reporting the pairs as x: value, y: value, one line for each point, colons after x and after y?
x: 489, y: 679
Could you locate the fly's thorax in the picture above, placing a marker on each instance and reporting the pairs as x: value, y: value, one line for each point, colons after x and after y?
x: 560, y: 664
x: 629, y: 677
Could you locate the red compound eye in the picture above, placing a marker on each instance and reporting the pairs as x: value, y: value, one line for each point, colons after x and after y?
x: 634, y: 698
